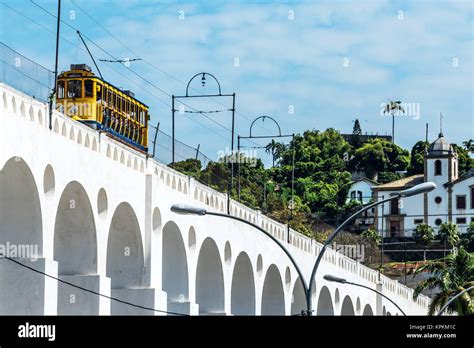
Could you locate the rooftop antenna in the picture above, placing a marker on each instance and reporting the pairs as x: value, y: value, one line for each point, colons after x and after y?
x: 440, y: 124
x: 426, y: 132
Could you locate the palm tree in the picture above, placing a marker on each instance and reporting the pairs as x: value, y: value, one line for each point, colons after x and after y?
x: 392, y: 107
x: 448, y: 234
x: 450, y: 275
x: 276, y: 149
x: 424, y: 236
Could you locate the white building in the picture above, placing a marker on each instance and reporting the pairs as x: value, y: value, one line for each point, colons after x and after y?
x: 452, y: 200
x: 361, y: 192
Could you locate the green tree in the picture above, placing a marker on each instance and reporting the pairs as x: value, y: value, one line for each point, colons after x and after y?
x: 392, y: 108
x: 275, y: 149
x: 465, y: 161
x: 372, y: 235
x: 448, y: 234
x: 469, y: 145
x: 417, y: 158
x: 424, y: 236
x: 450, y: 275
x: 378, y: 155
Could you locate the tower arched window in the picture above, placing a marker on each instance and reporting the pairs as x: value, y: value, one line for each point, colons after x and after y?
x: 438, y: 167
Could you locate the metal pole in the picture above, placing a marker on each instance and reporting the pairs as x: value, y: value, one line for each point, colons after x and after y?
x: 197, y: 151
x: 230, y: 185
x: 154, y: 140
x: 378, y: 292
x: 238, y: 166
x: 172, y: 129
x: 55, y: 68
x: 331, y: 238
x: 381, y: 245
x: 90, y: 54
x: 393, y: 127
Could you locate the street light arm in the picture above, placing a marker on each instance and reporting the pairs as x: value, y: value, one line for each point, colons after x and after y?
x: 282, y: 247
x: 378, y: 292
x: 453, y: 298
x: 336, y: 232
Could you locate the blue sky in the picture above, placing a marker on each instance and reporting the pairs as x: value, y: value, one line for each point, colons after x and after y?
x: 328, y: 61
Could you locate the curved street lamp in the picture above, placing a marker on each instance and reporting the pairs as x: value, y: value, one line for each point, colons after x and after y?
x: 184, y: 209
x: 331, y: 278
x: 453, y: 298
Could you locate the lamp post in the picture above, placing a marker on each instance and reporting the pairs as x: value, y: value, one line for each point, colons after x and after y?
x: 453, y: 298
x: 191, y: 210
x: 415, y: 190
x: 331, y: 278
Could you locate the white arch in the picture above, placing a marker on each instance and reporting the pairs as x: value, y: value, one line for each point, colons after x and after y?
x: 298, y: 298
x: 75, y: 241
x: 20, y: 224
x: 368, y: 310
x: 325, y: 306
x: 124, y: 249
x: 174, y: 264
x: 209, y: 279
x: 20, y: 208
x: 273, y: 299
x: 347, y: 306
x: 243, y: 287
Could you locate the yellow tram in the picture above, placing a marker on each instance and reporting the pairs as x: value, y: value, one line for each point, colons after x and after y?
x: 87, y: 98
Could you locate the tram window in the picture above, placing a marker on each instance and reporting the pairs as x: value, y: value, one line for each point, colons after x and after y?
x: 74, y: 89
x: 99, y: 91
x: 110, y: 99
x: 60, y: 91
x: 89, y: 88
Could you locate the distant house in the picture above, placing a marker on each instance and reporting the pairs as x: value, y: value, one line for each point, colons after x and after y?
x: 452, y: 200
x: 361, y: 192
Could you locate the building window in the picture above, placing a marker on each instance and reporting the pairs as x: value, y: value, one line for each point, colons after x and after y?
x: 359, y: 194
x: 353, y: 195
x: 438, y: 199
x: 394, y: 207
x: 438, y: 167
x: 472, y: 197
x: 438, y: 222
x: 461, y: 221
x: 461, y: 202
x: 418, y: 221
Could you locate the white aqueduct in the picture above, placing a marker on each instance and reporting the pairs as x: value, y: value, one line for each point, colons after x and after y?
x: 100, y: 216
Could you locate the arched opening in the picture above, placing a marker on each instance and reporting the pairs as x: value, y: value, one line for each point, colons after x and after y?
x: 20, y: 209
x: 347, y: 306
x: 20, y: 225
x: 209, y: 279
x: 243, y: 287
x: 368, y: 310
x: 48, y: 181
x: 273, y: 299
x: 438, y: 170
x: 124, y: 249
x: 325, y: 306
x: 174, y: 264
x: 298, y: 298
x: 75, y: 241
